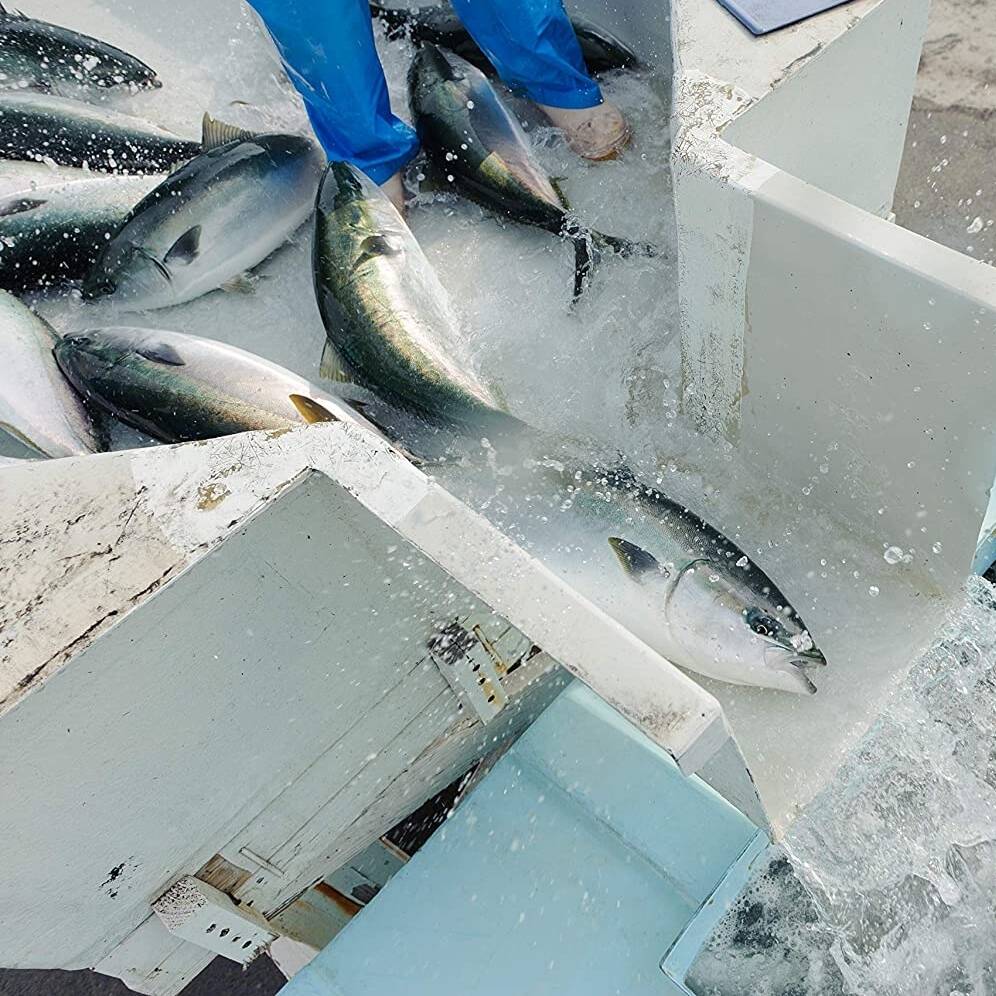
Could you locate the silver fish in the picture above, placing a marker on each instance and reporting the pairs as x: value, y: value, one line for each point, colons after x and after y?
x: 40, y: 127
x: 51, y: 235
x: 36, y: 53
x: 475, y: 141
x: 216, y: 217
x: 388, y: 319
x: 37, y: 405
x: 178, y: 387
x: 722, y: 615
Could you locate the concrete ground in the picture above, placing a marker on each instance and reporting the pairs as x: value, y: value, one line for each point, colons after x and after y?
x: 946, y: 191
x: 947, y: 185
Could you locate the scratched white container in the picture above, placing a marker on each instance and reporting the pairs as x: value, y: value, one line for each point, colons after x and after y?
x: 232, y: 649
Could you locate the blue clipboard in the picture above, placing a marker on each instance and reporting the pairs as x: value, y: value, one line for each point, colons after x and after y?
x: 762, y: 16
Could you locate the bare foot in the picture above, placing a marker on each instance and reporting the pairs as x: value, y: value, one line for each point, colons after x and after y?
x: 395, y: 190
x: 596, y: 133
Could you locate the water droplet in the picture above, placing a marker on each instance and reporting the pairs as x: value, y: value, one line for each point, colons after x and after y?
x: 893, y: 555
x: 470, y: 104
x: 743, y: 562
x: 873, y: 590
x: 975, y: 227
x: 937, y: 547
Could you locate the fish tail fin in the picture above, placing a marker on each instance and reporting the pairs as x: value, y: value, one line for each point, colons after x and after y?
x: 589, y: 246
x: 396, y: 20
x: 586, y: 258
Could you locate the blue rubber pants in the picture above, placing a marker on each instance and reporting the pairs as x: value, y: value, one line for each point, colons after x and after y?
x: 327, y: 47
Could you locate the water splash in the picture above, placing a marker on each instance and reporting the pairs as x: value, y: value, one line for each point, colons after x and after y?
x: 888, y: 886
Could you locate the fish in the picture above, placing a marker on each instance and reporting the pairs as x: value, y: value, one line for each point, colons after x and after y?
x: 388, y: 319
x: 44, y: 127
x: 36, y: 53
x: 52, y: 235
x: 602, y: 51
x: 37, y: 404
x: 722, y: 615
x: 472, y: 138
x: 216, y: 217
x: 178, y: 388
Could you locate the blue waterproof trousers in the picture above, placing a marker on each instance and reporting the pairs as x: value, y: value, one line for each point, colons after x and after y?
x: 327, y: 47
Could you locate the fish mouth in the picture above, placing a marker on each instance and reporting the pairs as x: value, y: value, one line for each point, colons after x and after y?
x: 341, y: 184
x: 781, y: 656
x: 783, y: 659
x: 428, y: 55
x: 809, y: 659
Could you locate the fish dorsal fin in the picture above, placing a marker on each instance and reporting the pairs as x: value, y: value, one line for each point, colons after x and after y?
x: 332, y: 366
x: 215, y: 133
x: 635, y: 561
x: 19, y: 206
x: 311, y: 410
x: 556, y: 182
x: 14, y: 15
x: 161, y: 352
x: 186, y: 247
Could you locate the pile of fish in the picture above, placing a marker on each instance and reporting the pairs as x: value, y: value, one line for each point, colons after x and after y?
x: 154, y: 220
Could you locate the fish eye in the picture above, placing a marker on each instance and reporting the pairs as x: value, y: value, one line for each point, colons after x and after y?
x: 762, y: 624
x: 79, y: 340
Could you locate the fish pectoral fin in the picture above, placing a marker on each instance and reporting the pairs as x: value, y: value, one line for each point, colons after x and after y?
x: 635, y: 561
x: 186, y: 247
x: 311, y: 410
x: 377, y: 245
x: 332, y: 366
x: 20, y: 205
x: 216, y: 133
x: 244, y: 283
x: 161, y: 352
